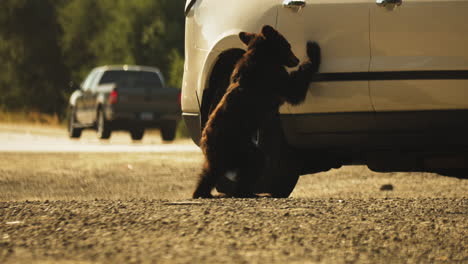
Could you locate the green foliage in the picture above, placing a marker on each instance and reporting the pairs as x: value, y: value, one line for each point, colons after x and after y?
x: 46, y: 44
x: 176, y: 69
x: 144, y: 32
x: 34, y: 74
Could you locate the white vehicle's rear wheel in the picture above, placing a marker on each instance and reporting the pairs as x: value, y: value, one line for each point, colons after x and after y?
x: 281, y: 167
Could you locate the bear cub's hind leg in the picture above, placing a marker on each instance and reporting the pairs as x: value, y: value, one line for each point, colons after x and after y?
x: 206, y: 183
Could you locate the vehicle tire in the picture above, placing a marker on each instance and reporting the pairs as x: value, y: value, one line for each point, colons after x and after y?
x: 73, y: 131
x: 103, y: 127
x: 168, y: 130
x: 455, y: 173
x: 282, y: 166
x: 137, y: 133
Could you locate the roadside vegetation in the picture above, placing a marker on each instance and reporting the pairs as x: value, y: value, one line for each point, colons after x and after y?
x: 30, y: 117
x: 46, y: 46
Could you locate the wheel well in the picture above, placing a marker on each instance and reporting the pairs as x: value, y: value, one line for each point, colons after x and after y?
x: 218, y: 81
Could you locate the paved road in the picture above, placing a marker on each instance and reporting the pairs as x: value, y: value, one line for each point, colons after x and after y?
x: 27, y: 138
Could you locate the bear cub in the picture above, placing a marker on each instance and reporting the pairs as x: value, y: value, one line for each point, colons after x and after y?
x: 259, y: 85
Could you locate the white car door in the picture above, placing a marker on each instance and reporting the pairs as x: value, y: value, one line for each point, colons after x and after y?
x: 419, y: 55
x: 341, y: 28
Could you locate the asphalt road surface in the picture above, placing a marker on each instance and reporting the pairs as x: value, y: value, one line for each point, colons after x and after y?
x: 27, y: 138
x: 349, y: 215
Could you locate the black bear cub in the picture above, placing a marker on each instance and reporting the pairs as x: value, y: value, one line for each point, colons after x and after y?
x: 259, y: 85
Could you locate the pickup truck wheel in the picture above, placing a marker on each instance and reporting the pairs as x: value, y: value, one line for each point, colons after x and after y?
x: 103, y: 127
x: 168, y: 130
x: 137, y: 133
x: 73, y: 131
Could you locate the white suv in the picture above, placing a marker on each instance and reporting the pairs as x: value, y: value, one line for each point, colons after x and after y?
x: 391, y: 93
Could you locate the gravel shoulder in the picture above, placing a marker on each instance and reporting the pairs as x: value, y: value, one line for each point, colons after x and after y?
x: 235, y: 231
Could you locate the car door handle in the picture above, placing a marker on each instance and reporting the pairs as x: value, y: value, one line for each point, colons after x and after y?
x: 294, y: 4
x: 384, y: 3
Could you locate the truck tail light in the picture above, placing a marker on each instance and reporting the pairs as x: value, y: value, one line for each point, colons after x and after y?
x: 179, y: 97
x: 113, y: 96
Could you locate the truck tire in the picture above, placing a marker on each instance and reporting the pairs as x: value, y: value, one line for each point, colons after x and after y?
x: 103, y: 127
x: 137, y: 133
x: 73, y: 130
x: 168, y: 130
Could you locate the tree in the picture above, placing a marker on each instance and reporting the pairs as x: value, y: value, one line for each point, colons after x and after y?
x: 35, y: 75
x: 46, y: 44
x: 144, y: 32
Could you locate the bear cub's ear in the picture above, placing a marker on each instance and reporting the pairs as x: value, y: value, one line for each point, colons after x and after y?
x: 269, y: 31
x: 246, y: 37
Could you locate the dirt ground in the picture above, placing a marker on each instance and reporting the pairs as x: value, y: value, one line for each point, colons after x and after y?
x: 135, y: 208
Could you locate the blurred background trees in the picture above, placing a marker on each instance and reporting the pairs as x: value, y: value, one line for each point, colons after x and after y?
x: 44, y: 45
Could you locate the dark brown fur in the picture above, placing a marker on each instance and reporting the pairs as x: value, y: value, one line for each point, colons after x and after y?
x: 259, y: 85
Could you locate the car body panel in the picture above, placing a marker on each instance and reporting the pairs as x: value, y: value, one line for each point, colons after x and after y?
x: 419, y: 35
x: 81, y: 101
x: 344, y: 44
x: 419, y: 95
x: 208, y: 26
x: 345, y: 48
x: 331, y: 97
x: 209, y: 33
x: 341, y: 28
x: 192, y: 84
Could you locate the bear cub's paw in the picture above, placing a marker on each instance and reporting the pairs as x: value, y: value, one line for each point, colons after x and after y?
x: 313, y: 51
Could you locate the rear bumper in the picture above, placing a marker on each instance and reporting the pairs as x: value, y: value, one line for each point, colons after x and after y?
x: 127, y: 120
x: 127, y: 124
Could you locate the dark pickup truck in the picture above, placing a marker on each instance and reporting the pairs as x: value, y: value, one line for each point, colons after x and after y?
x: 131, y: 98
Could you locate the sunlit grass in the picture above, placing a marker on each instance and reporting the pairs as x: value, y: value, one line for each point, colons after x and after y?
x: 29, y: 117
x: 97, y: 176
